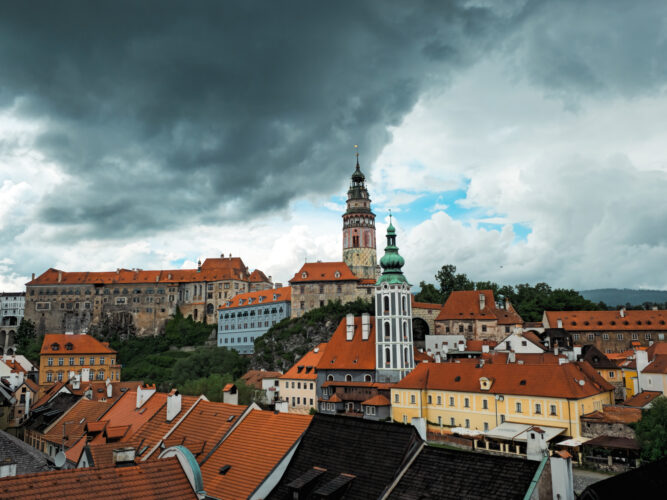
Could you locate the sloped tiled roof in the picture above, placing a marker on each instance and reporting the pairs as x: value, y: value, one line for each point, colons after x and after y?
x: 255, y: 377
x: 306, y: 367
x: 597, y: 358
x: 378, y: 400
x: 74, y: 453
x: 355, y: 354
x: 608, y: 320
x: 80, y: 414
x: 283, y: 294
x: 323, y: 271
x: 203, y: 427
x: 26, y: 458
x: 49, y: 393
x: 559, y: 381
x: 464, y: 305
x: 157, y: 426
x: 258, y: 276
x: 125, y: 413
x: 655, y: 349
x: 99, y: 389
x: 252, y: 450
x: 163, y: 479
x: 101, y: 455
x: 546, y: 358
x: 372, y: 452
x: 614, y: 414
x: 658, y: 365
x: 424, y: 305
x: 457, y: 474
x: 81, y: 344
x: 642, y: 399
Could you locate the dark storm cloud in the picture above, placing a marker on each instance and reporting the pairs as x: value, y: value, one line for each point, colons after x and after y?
x: 164, y: 113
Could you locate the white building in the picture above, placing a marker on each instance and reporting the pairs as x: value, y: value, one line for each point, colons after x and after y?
x: 12, y: 307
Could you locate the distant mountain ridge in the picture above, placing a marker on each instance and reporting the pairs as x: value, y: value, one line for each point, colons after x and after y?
x: 621, y: 296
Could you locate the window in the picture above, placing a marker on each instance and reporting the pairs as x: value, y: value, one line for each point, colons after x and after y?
x: 321, y: 288
x: 71, y: 361
x: 451, y: 401
x: 82, y: 360
x: 397, y: 398
x: 619, y: 336
x: 466, y: 403
x: 605, y: 336
x: 49, y: 376
x: 502, y: 419
x: 647, y: 336
x: 575, y: 336
x: 452, y: 422
x: 61, y: 361
x: 484, y: 328
x: 60, y: 376
x: 485, y: 404
x: 386, y: 304
x: 518, y: 407
x: 429, y: 399
x: 612, y: 374
x: 460, y: 328
x: 635, y: 336
x: 368, y: 378
x: 591, y: 336
x: 370, y: 410
x: 467, y: 423
x: 101, y: 360
x: 49, y: 361
x: 439, y: 400
x: 538, y: 408
x: 92, y: 361
x: 413, y: 399
x: 439, y: 420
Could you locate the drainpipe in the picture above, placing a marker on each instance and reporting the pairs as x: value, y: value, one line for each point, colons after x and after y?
x: 569, y: 417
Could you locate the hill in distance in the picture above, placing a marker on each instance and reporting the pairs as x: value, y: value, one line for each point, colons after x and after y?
x: 621, y: 296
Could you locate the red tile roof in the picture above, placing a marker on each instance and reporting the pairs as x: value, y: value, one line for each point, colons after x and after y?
x: 81, y: 344
x: 102, y: 454
x: 465, y: 305
x: 211, y: 270
x: 283, y: 294
x: 252, y: 450
x: 203, y: 427
x: 547, y: 358
x: 77, y: 417
x: 560, y: 381
x: 306, y: 367
x: 13, y: 365
x: 48, y: 394
x: 642, y: 399
x: 323, y: 271
x: 355, y: 354
x: 255, y: 377
x: 378, y: 400
x: 614, y: 414
x: 125, y: 413
x: 655, y: 349
x: 658, y: 365
x: 258, y: 276
x: 99, y: 388
x: 74, y: 453
x: 150, y: 434
x: 424, y: 305
x: 608, y: 320
x: 163, y: 480
x: 420, y: 357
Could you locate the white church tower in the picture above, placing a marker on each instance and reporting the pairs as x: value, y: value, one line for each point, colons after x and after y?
x: 393, y: 316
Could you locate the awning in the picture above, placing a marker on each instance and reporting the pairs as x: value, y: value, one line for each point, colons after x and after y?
x: 573, y: 442
x: 511, y: 431
x: 618, y: 443
x: 464, y: 431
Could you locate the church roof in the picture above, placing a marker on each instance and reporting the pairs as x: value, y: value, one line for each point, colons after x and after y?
x: 323, y: 271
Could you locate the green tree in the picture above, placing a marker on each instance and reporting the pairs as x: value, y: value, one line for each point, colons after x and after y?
x: 429, y: 293
x: 450, y: 281
x: 651, y: 431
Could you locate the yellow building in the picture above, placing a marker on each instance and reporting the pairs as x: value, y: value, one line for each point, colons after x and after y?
x: 84, y: 355
x: 298, y: 385
x: 483, y: 396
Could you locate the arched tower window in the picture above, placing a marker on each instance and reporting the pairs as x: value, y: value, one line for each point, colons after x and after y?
x: 355, y: 240
x: 348, y: 378
x: 386, y: 304
x: 405, y: 308
x: 406, y: 357
x: 368, y: 378
x: 387, y: 357
x: 387, y: 331
x: 404, y: 330
x: 330, y: 378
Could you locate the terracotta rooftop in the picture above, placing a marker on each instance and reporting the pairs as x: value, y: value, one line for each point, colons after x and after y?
x: 560, y: 381
x: 355, y: 354
x: 98, y: 388
x: 655, y: 349
x: 251, y: 451
x: 258, y: 276
x: 283, y: 294
x: 378, y: 400
x: 642, y: 399
x: 76, y: 419
x: 546, y: 358
x: 465, y: 304
x: 658, y: 365
x: 255, y: 377
x: 211, y: 270
x: 306, y: 367
x: 424, y: 305
x: 101, y: 455
x: 125, y: 413
x: 323, y: 271
x: 608, y: 320
x: 163, y: 479
x: 203, y: 427
x: 60, y: 344
x: 614, y: 414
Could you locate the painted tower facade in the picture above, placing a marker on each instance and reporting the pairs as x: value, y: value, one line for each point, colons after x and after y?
x: 393, y: 316
x: 359, y: 247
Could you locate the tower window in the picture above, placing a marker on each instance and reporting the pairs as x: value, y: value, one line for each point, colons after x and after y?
x: 387, y: 356
x: 387, y: 331
x: 386, y: 304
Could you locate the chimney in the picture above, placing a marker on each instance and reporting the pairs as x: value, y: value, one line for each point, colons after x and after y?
x: 144, y: 393
x: 556, y: 350
x: 485, y: 348
x: 123, y: 457
x: 33, y: 276
x: 559, y: 323
x: 230, y: 394
x: 482, y: 301
x: 577, y: 351
x: 365, y: 326
x: 622, y: 312
x: 85, y: 375
x: 462, y: 346
x: 75, y: 381
x: 536, y: 446
x: 60, y: 276
x: 199, y: 266
x: 562, y: 483
x: 563, y: 361
x: 511, y: 357
x: 349, y: 321
x: 173, y: 405
x: 109, y: 389
x: 437, y: 358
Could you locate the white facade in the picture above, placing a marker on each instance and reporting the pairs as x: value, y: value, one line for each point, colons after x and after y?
x: 393, y: 331
x: 519, y: 344
x: 12, y: 307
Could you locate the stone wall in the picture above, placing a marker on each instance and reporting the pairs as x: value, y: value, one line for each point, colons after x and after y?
x: 314, y: 294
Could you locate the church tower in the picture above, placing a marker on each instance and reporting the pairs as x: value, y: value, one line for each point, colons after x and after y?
x: 393, y: 316
x: 359, y: 229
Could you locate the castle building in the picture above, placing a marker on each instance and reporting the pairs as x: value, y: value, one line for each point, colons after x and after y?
x: 359, y: 229
x: 317, y: 283
x: 136, y: 300
x: 12, y: 306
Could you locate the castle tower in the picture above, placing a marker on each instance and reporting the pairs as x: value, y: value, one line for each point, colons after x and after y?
x: 393, y: 316
x: 359, y: 229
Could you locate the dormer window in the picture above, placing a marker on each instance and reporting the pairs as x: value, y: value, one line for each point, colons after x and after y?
x: 337, y: 274
x: 275, y: 296
x: 69, y: 346
x: 249, y: 301
x: 261, y: 298
x: 55, y: 346
x: 304, y: 275
x: 484, y: 383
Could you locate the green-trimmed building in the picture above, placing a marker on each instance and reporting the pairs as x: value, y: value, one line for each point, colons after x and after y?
x: 393, y: 316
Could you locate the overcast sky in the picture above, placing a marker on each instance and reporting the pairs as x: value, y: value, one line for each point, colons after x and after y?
x: 519, y: 141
